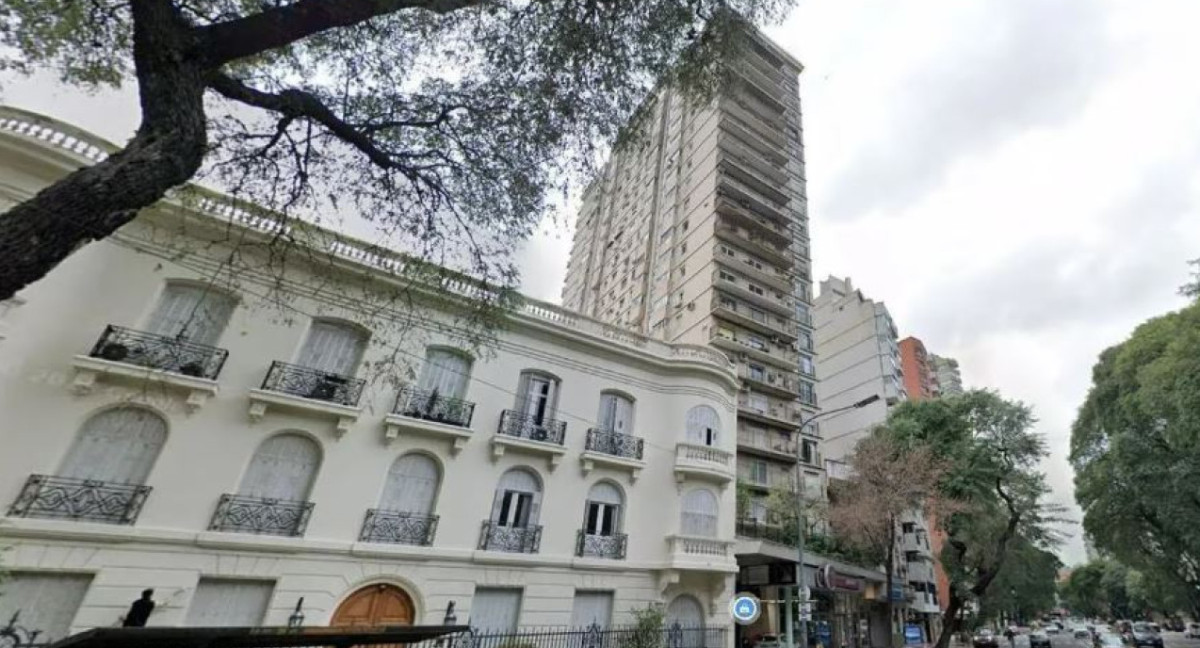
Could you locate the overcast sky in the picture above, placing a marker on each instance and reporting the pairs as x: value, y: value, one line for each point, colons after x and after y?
x: 1015, y: 179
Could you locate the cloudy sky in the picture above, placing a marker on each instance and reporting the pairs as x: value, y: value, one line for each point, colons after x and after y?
x: 1016, y: 179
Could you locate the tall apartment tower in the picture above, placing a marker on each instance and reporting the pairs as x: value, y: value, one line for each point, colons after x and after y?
x: 949, y: 380
x: 920, y: 378
x: 699, y: 233
x: 858, y: 356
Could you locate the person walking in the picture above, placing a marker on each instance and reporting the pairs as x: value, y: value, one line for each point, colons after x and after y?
x: 139, y: 611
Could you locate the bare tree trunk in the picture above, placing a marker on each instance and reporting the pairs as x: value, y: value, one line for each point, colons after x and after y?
x: 891, y: 567
x: 95, y: 201
x: 952, y: 622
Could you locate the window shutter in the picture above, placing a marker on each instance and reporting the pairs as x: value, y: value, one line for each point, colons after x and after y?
x: 332, y: 348
x: 591, y: 608
x: 200, y: 313
x: 220, y: 603
x: 703, y: 425
x: 519, y: 481
x: 283, y: 468
x: 699, y: 516
x: 47, y: 601
x: 118, y: 445
x: 608, y: 412
x: 446, y: 372
x: 411, y: 487
x: 686, y: 611
x: 495, y: 610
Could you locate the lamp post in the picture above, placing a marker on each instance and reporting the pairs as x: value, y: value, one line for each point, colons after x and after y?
x: 296, y: 619
x: 801, y: 580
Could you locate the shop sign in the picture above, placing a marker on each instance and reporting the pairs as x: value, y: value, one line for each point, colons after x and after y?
x: 897, y: 592
x: 913, y: 635
x: 829, y: 578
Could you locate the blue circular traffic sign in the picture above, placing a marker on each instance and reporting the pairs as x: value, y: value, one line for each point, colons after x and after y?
x: 745, y: 608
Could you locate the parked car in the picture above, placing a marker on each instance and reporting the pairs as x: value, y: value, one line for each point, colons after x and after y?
x: 1155, y: 627
x: 771, y: 641
x: 985, y: 639
x: 1143, y: 635
x: 1192, y: 631
x: 1039, y: 639
x: 1081, y: 633
x: 1109, y: 640
x: 1052, y: 629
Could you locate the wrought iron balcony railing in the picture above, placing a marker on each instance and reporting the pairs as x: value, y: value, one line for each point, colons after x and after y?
x: 427, y: 404
x: 398, y: 527
x: 601, y: 546
x: 90, y: 500
x: 614, y: 443
x: 313, y: 383
x: 176, y: 355
x: 526, y: 426
x: 511, y: 539
x: 261, y: 515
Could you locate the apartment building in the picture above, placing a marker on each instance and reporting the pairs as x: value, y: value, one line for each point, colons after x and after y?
x: 948, y: 379
x: 860, y: 355
x: 164, y: 432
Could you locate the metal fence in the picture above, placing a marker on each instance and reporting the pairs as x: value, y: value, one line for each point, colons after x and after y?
x: 674, y: 636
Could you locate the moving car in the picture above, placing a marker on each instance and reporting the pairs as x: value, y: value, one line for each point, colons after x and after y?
x: 1039, y: 639
x: 1144, y: 636
x: 1109, y: 640
x: 985, y: 639
x: 1052, y: 629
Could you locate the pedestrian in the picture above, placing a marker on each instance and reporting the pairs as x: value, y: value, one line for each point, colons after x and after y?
x: 139, y: 611
x: 1011, y: 636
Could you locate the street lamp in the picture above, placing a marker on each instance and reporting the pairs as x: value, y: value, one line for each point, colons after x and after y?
x: 297, y: 618
x: 801, y: 578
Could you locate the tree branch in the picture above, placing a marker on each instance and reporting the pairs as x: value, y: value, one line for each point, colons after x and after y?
x: 281, y: 26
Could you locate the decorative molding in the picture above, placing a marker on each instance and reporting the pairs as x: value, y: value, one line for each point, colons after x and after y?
x: 589, y: 459
x: 344, y: 416
x: 551, y: 451
x: 394, y: 424
x: 89, y: 370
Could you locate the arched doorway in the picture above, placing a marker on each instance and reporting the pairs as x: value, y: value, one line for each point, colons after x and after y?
x: 375, y: 605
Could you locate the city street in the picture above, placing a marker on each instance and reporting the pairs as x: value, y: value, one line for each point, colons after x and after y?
x: 1065, y: 640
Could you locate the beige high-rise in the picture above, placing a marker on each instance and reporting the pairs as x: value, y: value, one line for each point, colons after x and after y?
x: 700, y: 234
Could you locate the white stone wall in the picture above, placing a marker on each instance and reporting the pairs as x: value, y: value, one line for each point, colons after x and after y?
x: 208, y: 449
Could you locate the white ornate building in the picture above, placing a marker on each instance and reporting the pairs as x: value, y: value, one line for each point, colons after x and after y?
x: 159, y: 432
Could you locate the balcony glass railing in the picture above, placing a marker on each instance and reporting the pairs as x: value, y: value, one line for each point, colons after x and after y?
x: 176, y: 355
x: 313, y: 383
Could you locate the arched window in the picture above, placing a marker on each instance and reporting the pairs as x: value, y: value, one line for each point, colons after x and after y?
x: 616, y: 413
x: 194, y: 312
x: 446, y: 372
x: 118, y: 445
x: 538, y: 396
x: 283, y: 468
x: 703, y: 426
x: 412, y: 485
x: 333, y: 347
x: 518, y: 499
x: 602, y: 515
x: 699, y: 513
x: 687, y: 612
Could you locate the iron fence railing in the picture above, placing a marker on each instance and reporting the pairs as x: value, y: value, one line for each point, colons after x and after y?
x: 601, y: 546
x: 176, y: 355
x: 398, y: 527
x: 594, y: 636
x: 494, y: 537
x: 428, y: 405
x: 527, y: 426
x: 14, y: 635
x: 313, y: 383
x: 262, y: 515
x: 47, y: 496
x: 614, y: 443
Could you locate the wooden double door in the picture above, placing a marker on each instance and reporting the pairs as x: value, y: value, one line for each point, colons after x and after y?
x: 375, y: 605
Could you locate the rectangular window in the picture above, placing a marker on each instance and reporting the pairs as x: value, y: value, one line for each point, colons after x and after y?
x: 224, y: 603
x: 495, y: 609
x: 728, y: 303
x: 758, y: 510
x: 725, y: 276
x: 757, y: 402
x: 333, y: 348
x: 537, y: 397
x: 757, y: 315
x: 195, y: 313
x: 601, y: 519
x: 514, y: 509
x: 756, y: 342
x: 908, y: 527
x: 757, y: 373
x: 48, y: 602
x: 757, y: 290
x: 758, y: 472
x: 591, y: 608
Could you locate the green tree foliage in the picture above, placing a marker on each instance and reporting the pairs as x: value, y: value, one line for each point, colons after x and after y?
x: 445, y: 122
x: 1107, y: 588
x: 1025, y: 588
x: 991, y: 458
x: 648, y: 623
x: 1191, y: 289
x: 1135, y: 447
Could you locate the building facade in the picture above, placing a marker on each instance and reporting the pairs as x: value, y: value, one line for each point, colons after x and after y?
x: 163, y: 432
x: 948, y: 378
x: 920, y: 377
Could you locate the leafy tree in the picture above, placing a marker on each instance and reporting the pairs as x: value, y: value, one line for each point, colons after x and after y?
x: 1026, y: 587
x: 1191, y: 289
x: 1135, y: 446
x: 1083, y: 593
x: 888, y: 480
x: 445, y: 122
x: 991, y: 458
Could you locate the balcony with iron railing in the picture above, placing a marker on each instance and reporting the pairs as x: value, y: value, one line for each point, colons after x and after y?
x: 530, y: 434
x: 427, y: 413
x: 309, y: 391
x: 85, y: 500
x: 510, y: 539
x: 261, y: 515
x: 398, y: 527
x: 611, y: 546
x: 612, y: 450
x: 130, y: 356
x: 695, y: 461
x: 769, y: 248
x: 770, y: 410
